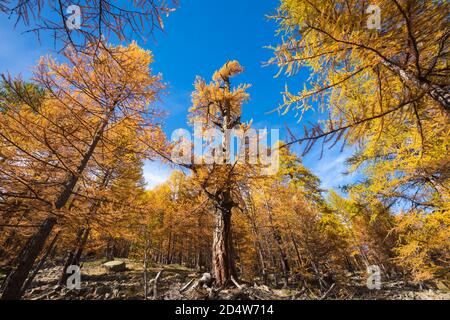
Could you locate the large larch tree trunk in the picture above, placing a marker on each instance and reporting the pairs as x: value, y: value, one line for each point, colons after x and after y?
x: 222, y: 254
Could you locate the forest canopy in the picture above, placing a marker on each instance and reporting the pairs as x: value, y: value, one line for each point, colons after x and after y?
x: 75, y: 137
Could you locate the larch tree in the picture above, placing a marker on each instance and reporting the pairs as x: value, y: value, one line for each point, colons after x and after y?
x: 115, y: 187
x: 423, y: 249
x: 218, y: 106
x: 293, y: 215
x: 384, y: 88
x: 180, y: 223
x: 79, y: 25
x: 343, y: 46
x: 86, y: 100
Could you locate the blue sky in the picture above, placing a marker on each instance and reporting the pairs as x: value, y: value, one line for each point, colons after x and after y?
x: 199, y: 37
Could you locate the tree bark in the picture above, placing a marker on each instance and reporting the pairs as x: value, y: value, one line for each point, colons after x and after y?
x: 198, y: 246
x: 222, y: 253
x: 109, y: 251
x: 33, y: 247
x: 297, y: 252
x: 279, y: 244
x: 81, y: 246
x: 257, y: 241
x: 74, y: 258
x: 147, y: 247
x: 169, y: 247
x: 40, y: 264
x: 441, y: 94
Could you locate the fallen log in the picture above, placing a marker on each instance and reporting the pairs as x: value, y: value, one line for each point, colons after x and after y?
x: 155, y: 284
x: 236, y: 283
x: 327, y: 292
x: 187, y: 285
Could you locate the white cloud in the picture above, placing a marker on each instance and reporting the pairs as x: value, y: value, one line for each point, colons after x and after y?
x: 331, y: 169
x: 156, y: 173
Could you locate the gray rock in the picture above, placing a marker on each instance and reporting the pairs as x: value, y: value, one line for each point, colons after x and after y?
x: 115, y: 293
x: 206, y: 279
x: 115, y: 266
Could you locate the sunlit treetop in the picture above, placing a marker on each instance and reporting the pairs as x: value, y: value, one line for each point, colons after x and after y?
x: 213, y: 101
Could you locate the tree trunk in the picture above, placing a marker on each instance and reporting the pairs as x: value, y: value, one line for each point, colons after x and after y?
x: 297, y: 252
x: 441, y: 94
x: 147, y: 247
x: 222, y: 253
x: 7, y: 244
x: 64, y: 275
x: 69, y: 259
x: 257, y: 243
x: 40, y: 264
x: 32, y: 249
x: 199, y: 261
x: 169, y: 252
x: 74, y: 258
x: 283, y: 256
x: 279, y: 244
x: 78, y: 254
x: 109, y: 252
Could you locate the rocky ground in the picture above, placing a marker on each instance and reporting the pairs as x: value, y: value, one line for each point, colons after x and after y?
x: 100, y: 282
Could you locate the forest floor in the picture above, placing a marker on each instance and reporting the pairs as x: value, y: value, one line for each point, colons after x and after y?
x: 97, y: 284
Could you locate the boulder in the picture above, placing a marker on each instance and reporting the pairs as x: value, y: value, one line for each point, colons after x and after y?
x: 206, y: 280
x: 115, y: 266
x: 115, y: 293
